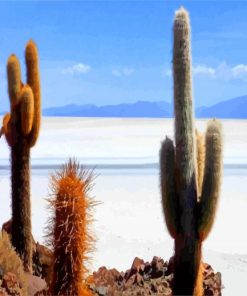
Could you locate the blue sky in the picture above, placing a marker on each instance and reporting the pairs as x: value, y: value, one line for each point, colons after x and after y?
x: 110, y: 52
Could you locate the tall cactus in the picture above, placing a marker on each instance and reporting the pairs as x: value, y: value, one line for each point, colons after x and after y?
x: 190, y: 180
x: 21, y: 128
x: 69, y: 227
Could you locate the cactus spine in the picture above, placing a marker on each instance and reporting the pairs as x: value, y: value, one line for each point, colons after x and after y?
x: 70, y: 235
x: 190, y: 180
x: 21, y: 127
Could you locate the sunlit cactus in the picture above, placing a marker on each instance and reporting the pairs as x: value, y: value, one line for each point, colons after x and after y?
x: 69, y: 226
x: 200, y: 157
x: 27, y: 110
x: 211, y: 180
x: 33, y: 80
x: 20, y: 128
x: 190, y: 171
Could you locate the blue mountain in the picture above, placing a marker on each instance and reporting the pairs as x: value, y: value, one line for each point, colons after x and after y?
x: 138, y: 109
x: 234, y: 108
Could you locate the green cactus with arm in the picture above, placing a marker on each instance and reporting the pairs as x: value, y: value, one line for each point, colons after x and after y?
x: 21, y: 128
x: 184, y: 172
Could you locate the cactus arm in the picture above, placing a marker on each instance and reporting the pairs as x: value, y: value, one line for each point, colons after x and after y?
x: 168, y: 189
x: 212, y: 179
x: 200, y: 153
x: 5, y: 123
x: 14, y: 80
x: 6, y: 120
x: 27, y: 109
x: 33, y: 80
x: 6, y: 128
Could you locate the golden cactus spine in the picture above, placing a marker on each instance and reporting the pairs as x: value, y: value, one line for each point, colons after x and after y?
x: 20, y: 128
x: 190, y: 181
x: 70, y: 234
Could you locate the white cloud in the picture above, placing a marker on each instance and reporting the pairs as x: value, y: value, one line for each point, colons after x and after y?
x: 203, y: 70
x: 227, y: 72
x: 197, y: 70
x: 123, y: 72
x: 240, y: 71
x: 77, y: 69
x: 223, y: 71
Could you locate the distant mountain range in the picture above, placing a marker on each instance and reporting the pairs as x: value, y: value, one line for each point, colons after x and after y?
x: 234, y: 108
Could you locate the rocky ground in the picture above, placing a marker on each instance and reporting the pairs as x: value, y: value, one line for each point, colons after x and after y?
x: 146, y: 278
x: 142, y: 279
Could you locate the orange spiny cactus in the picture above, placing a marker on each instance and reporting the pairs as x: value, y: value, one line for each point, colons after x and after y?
x: 70, y: 233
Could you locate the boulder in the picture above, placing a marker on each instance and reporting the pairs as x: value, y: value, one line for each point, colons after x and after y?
x: 35, y: 284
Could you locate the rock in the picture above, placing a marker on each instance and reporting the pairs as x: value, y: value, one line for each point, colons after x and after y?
x: 3, y: 292
x: 43, y: 262
x: 43, y: 293
x: 157, y: 267
x: 35, y: 284
x: 102, y: 291
x: 130, y: 281
x: 209, y: 292
x: 126, y: 274
x: 136, y: 267
x: 139, y: 279
x: 167, y: 292
x: 154, y: 288
x: 212, y: 281
x: 114, y: 274
x: 157, y: 262
x: 218, y: 278
x: 121, y: 276
x: 147, y: 268
x: 144, y: 279
x: 105, y: 280
x: 137, y: 264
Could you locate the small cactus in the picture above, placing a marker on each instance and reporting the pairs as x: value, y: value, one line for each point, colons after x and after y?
x: 69, y: 228
x: 190, y: 172
x: 21, y: 127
